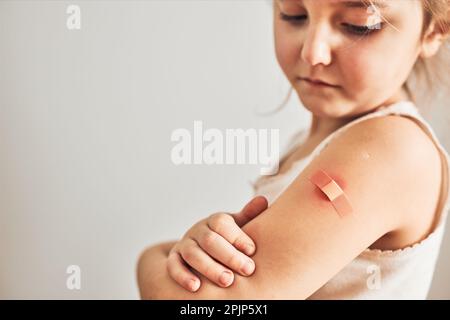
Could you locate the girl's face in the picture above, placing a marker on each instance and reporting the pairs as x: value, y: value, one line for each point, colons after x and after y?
x: 365, y: 53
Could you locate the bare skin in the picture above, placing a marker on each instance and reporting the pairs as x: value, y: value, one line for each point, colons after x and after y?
x: 361, y: 76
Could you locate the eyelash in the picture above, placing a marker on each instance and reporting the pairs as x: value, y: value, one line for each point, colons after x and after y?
x: 352, y: 29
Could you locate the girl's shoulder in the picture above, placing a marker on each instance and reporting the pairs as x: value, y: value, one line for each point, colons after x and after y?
x: 399, y: 142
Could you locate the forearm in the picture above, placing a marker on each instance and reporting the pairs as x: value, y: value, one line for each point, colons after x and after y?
x: 151, y: 269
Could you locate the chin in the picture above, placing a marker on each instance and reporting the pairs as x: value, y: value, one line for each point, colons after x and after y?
x: 326, y: 109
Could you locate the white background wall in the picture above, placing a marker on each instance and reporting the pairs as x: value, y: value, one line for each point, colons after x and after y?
x: 85, y: 124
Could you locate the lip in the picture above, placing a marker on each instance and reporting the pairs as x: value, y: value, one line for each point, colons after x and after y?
x: 317, y: 82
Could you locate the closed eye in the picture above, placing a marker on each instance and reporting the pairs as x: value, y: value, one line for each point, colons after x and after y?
x: 350, y: 28
x: 294, y: 19
x: 362, y: 30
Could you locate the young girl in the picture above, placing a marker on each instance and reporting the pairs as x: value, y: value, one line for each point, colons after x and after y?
x: 352, y: 64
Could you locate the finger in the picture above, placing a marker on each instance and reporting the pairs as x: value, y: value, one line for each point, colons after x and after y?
x: 180, y: 273
x: 224, y: 225
x: 224, y: 252
x: 194, y: 256
x: 250, y: 210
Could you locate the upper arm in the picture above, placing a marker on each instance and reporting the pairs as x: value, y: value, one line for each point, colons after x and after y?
x: 302, y: 242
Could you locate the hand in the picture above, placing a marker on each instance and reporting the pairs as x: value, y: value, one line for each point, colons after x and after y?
x: 212, y: 245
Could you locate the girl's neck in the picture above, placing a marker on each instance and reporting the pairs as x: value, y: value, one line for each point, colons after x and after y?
x: 322, y: 127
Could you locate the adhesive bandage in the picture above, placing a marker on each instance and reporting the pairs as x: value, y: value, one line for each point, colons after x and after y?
x: 333, y: 191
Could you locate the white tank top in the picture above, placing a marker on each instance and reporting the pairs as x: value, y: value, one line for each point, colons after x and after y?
x: 375, y: 274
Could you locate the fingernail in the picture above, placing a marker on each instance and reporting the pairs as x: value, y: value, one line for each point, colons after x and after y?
x: 226, y: 278
x: 248, y: 267
x: 249, y: 248
x: 194, y: 285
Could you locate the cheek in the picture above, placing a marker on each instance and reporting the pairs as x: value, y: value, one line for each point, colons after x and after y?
x: 369, y: 66
x: 287, y: 50
x: 367, y: 70
x: 360, y: 69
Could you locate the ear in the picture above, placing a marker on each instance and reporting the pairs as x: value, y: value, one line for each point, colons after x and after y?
x: 432, y: 40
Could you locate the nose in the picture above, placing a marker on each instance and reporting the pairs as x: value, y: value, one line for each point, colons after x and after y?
x: 316, y: 46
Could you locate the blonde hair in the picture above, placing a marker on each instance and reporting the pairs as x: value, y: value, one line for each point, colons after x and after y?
x: 429, y: 76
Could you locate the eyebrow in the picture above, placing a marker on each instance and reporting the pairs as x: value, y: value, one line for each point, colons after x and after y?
x: 362, y: 4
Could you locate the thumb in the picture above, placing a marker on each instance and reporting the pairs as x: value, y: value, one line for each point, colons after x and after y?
x: 250, y: 211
